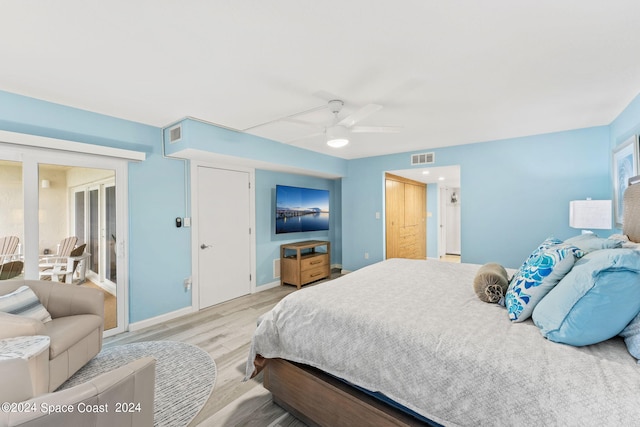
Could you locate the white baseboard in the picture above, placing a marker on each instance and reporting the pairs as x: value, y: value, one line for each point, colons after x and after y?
x: 267, y: 286
x: 160, y: 319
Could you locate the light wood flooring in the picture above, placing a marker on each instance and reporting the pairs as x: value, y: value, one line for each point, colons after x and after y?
x: 225, y: 331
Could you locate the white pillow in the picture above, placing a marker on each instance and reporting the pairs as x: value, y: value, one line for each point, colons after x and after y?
x: 24, y: 302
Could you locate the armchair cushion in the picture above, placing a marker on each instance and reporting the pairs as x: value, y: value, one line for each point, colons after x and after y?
x: 24, y: 302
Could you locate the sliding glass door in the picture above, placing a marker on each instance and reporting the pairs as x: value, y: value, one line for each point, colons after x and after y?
x: 49, y: 198
x: 95, y: 223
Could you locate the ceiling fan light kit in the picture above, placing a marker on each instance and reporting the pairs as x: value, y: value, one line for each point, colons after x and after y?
x: 337, y: 136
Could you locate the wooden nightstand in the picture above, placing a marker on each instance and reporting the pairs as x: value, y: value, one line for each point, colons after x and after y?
x: 300, y: 263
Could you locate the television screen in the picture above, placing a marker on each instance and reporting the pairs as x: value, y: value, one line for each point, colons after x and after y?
x: 301, y: 209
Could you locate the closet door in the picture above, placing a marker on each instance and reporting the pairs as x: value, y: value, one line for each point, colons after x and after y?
x: 394, y: 216
x: 405, y: 218
x: 413, y: 243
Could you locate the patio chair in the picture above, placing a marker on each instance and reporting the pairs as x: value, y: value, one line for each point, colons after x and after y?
x: 8, y: 246
x: 66, y: 269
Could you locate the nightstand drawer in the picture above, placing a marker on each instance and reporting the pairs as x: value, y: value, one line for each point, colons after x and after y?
x: 314, y: 274
x: 314, y: 262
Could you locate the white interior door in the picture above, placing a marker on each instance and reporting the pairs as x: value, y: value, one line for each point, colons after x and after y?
x: 224, y: 240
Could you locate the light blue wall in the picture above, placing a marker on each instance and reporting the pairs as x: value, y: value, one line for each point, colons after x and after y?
x: 159, y: 253
x: 516, y: 193
x: 626, y: 124
x: 267, y: 242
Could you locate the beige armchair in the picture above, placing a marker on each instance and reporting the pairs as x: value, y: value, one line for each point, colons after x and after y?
x: 122, y: 397
x: 75, y: 330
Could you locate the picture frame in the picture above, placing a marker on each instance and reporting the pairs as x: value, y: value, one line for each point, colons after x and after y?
x: 625, y: 166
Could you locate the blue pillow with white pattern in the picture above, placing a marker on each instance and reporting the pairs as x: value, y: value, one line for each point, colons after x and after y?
x: 544, y: 268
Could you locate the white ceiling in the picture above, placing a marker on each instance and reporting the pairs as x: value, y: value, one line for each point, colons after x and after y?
x: 448, y: 72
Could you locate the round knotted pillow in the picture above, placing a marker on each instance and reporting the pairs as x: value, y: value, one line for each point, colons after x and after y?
x: 491, y: 282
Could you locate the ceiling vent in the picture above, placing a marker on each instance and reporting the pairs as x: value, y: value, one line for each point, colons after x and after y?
x: 423, y: 159
x: 175, y: 134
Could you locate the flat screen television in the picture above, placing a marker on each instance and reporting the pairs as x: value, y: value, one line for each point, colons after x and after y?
x: 301, y: 209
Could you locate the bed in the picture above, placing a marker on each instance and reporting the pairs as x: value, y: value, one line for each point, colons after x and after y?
x: 408, y: 342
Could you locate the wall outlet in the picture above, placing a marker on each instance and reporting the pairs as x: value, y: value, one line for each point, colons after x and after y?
x: 187, y: 283
x: 366, y: 255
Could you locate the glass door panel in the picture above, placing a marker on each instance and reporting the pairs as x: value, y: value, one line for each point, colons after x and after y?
x: 79, y: 215
x: 110, y: 234
x: 11, y: 220
x: 94, y: 230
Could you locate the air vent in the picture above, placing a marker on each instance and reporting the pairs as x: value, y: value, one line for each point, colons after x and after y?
x: 423, y: 158
x: 175, y: 134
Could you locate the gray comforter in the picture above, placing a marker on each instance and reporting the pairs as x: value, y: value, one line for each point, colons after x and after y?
x: 415, y: 331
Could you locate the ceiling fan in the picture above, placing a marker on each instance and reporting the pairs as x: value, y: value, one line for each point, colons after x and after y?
x: 337, y: 133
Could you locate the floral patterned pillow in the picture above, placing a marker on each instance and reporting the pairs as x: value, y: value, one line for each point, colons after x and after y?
x: 544, y: 268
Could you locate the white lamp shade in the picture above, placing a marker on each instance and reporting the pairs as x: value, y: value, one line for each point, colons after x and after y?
x: 590, y: 214
x: 337, y: 136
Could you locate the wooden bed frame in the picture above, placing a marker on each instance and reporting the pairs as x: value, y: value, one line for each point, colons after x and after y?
x: 319, y: 399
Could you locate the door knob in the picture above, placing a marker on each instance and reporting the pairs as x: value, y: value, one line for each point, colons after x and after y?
x: 203, y: 246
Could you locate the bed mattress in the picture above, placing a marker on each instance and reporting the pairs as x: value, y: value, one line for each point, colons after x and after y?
x: 416, y: 332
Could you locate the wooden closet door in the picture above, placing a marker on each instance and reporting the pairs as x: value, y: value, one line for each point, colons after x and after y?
x: 394, y: 215
x: 405, y: 218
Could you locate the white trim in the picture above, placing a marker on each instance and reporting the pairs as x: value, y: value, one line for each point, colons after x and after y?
x: 195, y: 164
x: 136, y: 326
x: 266, y: 286
x: 36, y: 141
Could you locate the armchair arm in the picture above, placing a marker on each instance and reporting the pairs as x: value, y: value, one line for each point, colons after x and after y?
x: 133, y: 383
x: 19, y: 326
x: 16, y: 380
x: 63, y: 301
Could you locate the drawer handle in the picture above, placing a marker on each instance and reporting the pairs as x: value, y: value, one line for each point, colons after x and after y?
x: 317, y: 274
x: 316, y: 262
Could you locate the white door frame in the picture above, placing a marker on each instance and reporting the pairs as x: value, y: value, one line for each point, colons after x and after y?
x: 195, y: 265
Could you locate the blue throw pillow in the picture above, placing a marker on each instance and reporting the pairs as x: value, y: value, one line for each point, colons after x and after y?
x: 544, y: 268
x: 594, y: 301
x: 590, y: 242
x: 631, y: 335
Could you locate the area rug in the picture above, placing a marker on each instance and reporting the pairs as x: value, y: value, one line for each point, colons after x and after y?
x: 185, y: 376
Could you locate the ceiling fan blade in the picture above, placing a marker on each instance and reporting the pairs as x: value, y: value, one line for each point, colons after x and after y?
x: 311, y: 135
x: 302, y: 122
x: 376, y: 129
x: 289, y: 117
x: 360, y: 114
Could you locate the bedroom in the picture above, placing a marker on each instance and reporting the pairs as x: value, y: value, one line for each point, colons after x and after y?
x: 502, y: 175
